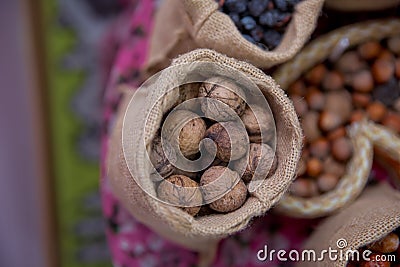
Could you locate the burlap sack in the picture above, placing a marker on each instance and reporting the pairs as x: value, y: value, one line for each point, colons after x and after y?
x: 213, y: 29
x: 375, y: 214
x: 201, y: 233
x: 365, y: 5
x: 358, y: 169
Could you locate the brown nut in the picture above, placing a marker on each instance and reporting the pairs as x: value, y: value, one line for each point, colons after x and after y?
x: 342, y: 149
x: 396, y: 105
x: 337, y: 133
x: 224, y: 180
x: 370, y: 50
x: 300, y: 105
x: 159, y: 159
x: 297, y: 88
x: 397, y: 67
x: 394, y: 44
x: 301, y: 166
x: 339, y: 103
x: 361, y: 100
x: 382, y: 70
x: 258, y: 164
x: 315, y: 98
x: 310, y: 126
x: 320, y: 148
x: 350, y: 62
x: 392, y: 121
x: 180, y: 190
x: 316, y: 74
x: 334, y: 167
x: 333, y: 80
x: 327, y: 182
x: 223, y: 134
x: 217, y: 88
x: 257, y: 121
x: 357, y: 115
x: 375, y: 261
x: 329, y: 121
x: 314, y: 167
x: 362, y: 81
x: 376, y: 111
x: 303, y: 187
x: 387, y: 244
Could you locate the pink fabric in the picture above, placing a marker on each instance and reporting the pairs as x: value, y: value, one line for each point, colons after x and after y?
x: 133, y: 244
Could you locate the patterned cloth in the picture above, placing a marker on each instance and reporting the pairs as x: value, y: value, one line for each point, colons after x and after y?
x: 130, y: 242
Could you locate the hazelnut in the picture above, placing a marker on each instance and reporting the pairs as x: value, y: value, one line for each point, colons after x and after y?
x: 396, y: 105
x: 362, y: 81
x: 327, y: 182
x: 300, y: 105
x: 337, y: 133
x: 333, y: 80
x: 350, y: 62
x: 319, y: 148
x: 316, y: 74
x: 339, y: 102
x: 361, y: 100
x: 224, y: 180
x: 382, y: 70
x: 158, y: 157
x: 301, y: 166
x: 397, y: 67
x: 314, y: 167
x: 394, y: 44
x: 370, y: 50
x: 191, y: 130
x: 332, y: 166
x: 376, y: 111
x: 357, y: 115
x: 310, y: 126
x: 329, y: 121
x: 181, y: 190
x: 297, y: 88
x: 387, y: 244
x: 392, y: 121
x: 303, y: 187
x: 223, y: 134
x: 342, y: 149
x: 264, y: 123
x: 260, y: 158
x: 227, y: 92
x: 315, y: 98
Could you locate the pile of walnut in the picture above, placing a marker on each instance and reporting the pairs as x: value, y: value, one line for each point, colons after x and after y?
x: 385, y: 252
x: 362, y: 83
x: 197, y: 129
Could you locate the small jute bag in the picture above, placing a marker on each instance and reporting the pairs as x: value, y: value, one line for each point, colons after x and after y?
x: 375, y: 214
x: 358, y: 169
x: 181, y: 25
x: 197, y: 233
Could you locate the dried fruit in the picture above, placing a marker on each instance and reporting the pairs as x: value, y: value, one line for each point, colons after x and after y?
x: 314, y: 167
x: 387, y: 244
x: 376, y: 111
x: 382, y: 70
x: 370, y: 50
x: 362, y: 81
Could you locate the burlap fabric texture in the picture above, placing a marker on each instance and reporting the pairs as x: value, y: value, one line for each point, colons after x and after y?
x: 197, y: 233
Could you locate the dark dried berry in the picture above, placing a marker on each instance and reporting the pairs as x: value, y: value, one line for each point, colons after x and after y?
x: 249, y: 38
x: 257, y: 33
x: 235, y: 18
x: 248, y: 23
x: 269, y: 18
x: 257, y: 7
x: 281, y: 5
x: 387, y: 93
x: 272, y: 38
x: 236, y: 6
x: 283, y: 19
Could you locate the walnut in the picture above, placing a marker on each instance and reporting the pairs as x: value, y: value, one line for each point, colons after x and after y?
x: 259, y: 163
x: 227, y: 137
x: 224, y: 181
x: 182, y: 191
x: 264, y: 124
x: 158, y: 157
x: 217, y: 88
x: 191, y: 131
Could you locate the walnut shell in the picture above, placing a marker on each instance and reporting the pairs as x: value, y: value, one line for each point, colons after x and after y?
x: 221, y: 133
x: 265, y: 124
x: 225, y: 179
x: 158, y: 157
x: 216, y: 88
x: 259, y: 163
x: 192, y: 129
x: 190, y: 195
